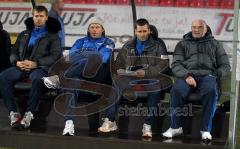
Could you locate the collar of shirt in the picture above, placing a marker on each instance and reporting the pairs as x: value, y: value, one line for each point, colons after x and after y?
x: 37, y: 32
x: 140, y: 45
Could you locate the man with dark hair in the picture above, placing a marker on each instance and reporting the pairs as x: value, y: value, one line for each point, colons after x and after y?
x: 35, y: 50
x: 142, y: 52
x: 5, y: 47
x: 55, y: 12
x: 95, y: 45
x: 198, y: 62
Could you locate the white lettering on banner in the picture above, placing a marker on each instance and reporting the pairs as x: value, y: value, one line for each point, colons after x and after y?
x: 171, y: 22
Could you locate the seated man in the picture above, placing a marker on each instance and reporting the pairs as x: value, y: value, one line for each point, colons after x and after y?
x: 35, y: 50
x: 94, y: 43
x: 198, y: 61
x: 138, y: 59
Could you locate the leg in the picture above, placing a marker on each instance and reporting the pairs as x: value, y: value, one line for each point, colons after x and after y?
x: 121, y: 84
x: 7, y: 80
x: 69, y: 116
x: 37, y: 89
x: 179, y: 92
x: 209, y: 94
x: 153, y: 100
x: 72, y: 103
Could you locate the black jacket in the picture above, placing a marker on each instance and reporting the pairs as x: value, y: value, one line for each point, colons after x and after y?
x: 154, y: 57
x: 199, y: 57
x: 5, y: 44
x: 46, y: 50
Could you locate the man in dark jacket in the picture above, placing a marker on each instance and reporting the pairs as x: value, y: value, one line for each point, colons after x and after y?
x: 139, y: 60
x: 5, y: 47
x: 198, y: 61
x: 35, y: 50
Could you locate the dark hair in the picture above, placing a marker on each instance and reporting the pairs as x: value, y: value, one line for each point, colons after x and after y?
x: 141, y: 22
x: 40, y: 8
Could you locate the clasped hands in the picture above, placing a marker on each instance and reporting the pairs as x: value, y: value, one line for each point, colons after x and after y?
x: 26, y: 65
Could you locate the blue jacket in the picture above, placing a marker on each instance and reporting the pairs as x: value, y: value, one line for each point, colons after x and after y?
x: 83, y: 47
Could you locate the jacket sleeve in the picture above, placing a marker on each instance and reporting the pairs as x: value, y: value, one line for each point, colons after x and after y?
x: 222, y: 61
x: 14, y: 56
x: 178, y: 68
x: 55, y: 52
x: 120, y: 62
x: 160, y: 61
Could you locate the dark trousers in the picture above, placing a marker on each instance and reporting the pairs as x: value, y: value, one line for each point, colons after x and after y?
x: 76, y: 71
x: 207, y: 87
x: 12, y: 75
x: 122, y: 83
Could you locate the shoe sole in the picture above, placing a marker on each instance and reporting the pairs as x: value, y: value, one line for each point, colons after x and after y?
x: 147, y: 136
x: 172, y: 136
x: 206, y: 140
x: 68, y: 134
x: 111, y: 130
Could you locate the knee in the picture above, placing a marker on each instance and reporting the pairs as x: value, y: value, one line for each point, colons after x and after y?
x: 178, y: 92
x: 176, y: 89
x: 210, y: 90
x: 37, y: 81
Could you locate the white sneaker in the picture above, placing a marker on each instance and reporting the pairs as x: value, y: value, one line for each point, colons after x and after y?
x: 147, y: 131
x: 68, y: 129
x: 26, y: 121
x: 51, y: 82
x: 206, y: 135
x: 173, y: 132
x: 14, y: 118
x: 108, y: 126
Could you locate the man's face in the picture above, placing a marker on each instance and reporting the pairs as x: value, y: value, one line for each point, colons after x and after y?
x: 60, y: 5
x: 95, y: 30
x: 39, y: 18
x: 198, y: 29
x: 142, y: 32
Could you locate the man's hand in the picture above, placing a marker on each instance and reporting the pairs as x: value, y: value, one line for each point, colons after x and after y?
x: 26, y: 65
x: 20, y: 64
x: 140, y: 73
x: 191, y: 81
x: 29, y: 64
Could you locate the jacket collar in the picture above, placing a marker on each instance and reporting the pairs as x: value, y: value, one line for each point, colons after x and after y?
x: 188, y: 36
x: 53, y: 25
x: 148, y: 43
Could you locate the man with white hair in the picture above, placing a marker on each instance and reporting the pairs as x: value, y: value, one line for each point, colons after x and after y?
x: 198, y: 61
x: 55, y: 12
x: 95, y: 43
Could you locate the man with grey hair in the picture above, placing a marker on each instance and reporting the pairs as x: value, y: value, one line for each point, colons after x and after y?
x: 198, y: 61
x: 55, y: 12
